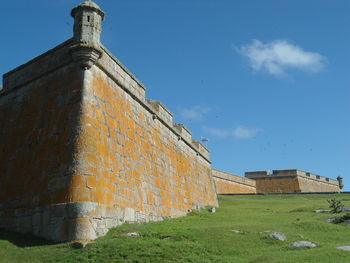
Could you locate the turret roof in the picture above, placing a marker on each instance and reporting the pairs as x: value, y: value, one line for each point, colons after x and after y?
x: 89, y: 3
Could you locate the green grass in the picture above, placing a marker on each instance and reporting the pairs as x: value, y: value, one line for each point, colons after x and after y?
x: 206, y: 237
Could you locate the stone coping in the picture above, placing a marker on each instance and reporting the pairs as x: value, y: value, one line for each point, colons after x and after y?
x: 156, y: 102
x: 123, y: 67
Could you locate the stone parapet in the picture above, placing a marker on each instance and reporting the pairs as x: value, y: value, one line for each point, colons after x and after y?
x: 253, y: 174
x: 232, y: 177
x: 227, y: 183
x: 201, y: 149
x: 38, y: 67
x: 185, y: 133
x: 161, y: 111
x: 116, y: 70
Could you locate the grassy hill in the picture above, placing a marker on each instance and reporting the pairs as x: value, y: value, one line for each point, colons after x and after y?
x: 207, y: 237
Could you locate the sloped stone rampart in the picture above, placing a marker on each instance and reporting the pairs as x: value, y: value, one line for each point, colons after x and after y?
x: 227, y: 183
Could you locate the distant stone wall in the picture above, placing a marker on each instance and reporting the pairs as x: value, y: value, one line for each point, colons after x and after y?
x: 279, y: 181
x: 82, y: 151
x: 292, y: 181
x: 280, y: 184
x: 307, y: 185
x: 227, y: 183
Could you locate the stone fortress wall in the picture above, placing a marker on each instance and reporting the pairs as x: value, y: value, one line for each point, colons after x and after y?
x: 292, y: 181
x: 279, y: 181
x: 227, y: 183
x: 82, y: 149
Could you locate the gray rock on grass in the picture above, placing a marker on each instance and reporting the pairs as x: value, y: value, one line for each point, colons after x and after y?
x: 265, y: 232
x: 303, y: 244
x: 236, y: 231
x: 345, y: 248
x: 331, y: 220
x: 329, y: 211
x: 278, y: 236
x: 322, y: 211
x: 131, y: 234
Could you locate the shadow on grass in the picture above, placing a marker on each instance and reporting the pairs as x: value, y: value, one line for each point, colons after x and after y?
x: 23, y: 240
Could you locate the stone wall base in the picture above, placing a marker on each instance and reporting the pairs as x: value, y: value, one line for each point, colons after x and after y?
x: 73, y: 221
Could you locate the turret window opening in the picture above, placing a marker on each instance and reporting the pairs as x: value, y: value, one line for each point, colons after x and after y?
x: 88, y: 18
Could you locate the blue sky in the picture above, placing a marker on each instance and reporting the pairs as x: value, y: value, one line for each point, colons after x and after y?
x: 266, y: 81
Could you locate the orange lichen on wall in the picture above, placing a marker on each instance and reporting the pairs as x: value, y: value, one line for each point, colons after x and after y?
x: 285, y: 184
x: 231, y: 187
x: 292, y: 181
x: 37, y: 147
x: 227, y: 183
x: 129, y: 160
x: 82, y: 151
x: 309, y: 185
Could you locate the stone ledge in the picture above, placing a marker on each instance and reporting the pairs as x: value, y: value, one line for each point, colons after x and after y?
x: 40, y: 65
x: 201, y: 148
x: 185, y: 133
x: 161, y: 110
x: 123, y: 67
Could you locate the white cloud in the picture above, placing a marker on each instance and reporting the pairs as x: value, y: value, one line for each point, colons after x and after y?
x: 195, y: 113
x: 242, y: 132
x: 239, y: 132
x: 217, y: 132
x: 279, y: 55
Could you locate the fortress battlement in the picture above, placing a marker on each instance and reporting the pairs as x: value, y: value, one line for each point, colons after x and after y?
x: 292, y: 181
x: 289, y: 172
